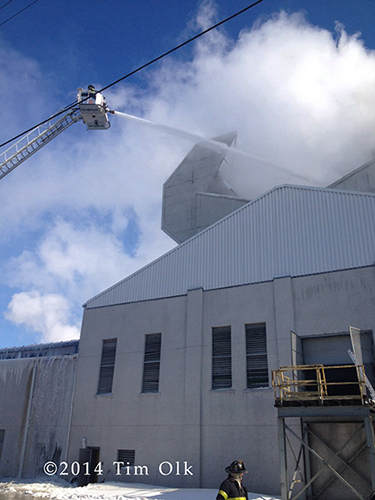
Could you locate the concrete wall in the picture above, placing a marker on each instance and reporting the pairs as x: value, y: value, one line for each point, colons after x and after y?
x: 332, y: 302
x: 128, y: 419
x: 187, y: 421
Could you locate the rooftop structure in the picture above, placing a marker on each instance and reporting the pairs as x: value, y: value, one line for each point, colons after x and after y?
x: 196, y: 195
x: 65, y: 348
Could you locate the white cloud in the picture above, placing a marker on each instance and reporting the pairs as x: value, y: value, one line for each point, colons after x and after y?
x: 78, y: 261
x: 47, y: 315
x: 299, y: 97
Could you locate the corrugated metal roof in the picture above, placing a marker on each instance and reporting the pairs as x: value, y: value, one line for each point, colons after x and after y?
x: 290, y: 230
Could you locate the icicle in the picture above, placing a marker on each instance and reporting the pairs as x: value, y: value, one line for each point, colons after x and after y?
x: 15, y: 369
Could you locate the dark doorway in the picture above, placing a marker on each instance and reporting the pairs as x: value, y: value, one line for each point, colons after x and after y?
x: 94, y: 461
x: 339, y: 376
x: 2, y: 434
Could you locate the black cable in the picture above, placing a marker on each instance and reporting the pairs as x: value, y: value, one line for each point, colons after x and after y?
x: 183, y: 44
x: 19, y: 12
x: 64, y: 110
x: 7, y: 3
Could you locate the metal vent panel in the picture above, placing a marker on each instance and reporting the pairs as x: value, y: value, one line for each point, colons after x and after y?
x: 221, y: 358
x: 127, y: 457
x: 256, y: 355
x: 151, y: 366
x: 107, y: 366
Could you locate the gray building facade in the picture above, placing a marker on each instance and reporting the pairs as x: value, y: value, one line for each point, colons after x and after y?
x: 173, y: 376
x: 174, y: 373
x: 187, y: 420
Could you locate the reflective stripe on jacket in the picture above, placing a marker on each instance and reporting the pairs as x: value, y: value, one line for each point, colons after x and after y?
x: 231, y: 490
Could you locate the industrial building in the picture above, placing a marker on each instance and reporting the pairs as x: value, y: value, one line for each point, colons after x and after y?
x: 174, y: 371
x: 175, y: 360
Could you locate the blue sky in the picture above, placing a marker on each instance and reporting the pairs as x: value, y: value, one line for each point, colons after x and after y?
x: 295, y: 78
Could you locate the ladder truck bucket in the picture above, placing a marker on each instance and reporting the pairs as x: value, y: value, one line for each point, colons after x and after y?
x: 93, y: 109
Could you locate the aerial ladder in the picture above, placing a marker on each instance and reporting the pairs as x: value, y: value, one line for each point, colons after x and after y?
x: 91, y: 108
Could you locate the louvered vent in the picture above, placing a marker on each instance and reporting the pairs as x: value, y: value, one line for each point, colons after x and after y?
x: 151, y: 367
x: 107, y: 366
x: 127, y: 457
x: 221, y: 358
x: 256, y: 355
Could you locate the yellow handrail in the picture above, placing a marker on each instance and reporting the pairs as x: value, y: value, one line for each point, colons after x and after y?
x: 309, y: 383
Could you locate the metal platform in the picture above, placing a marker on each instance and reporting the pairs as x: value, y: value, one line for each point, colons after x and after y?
x: 326, y: 431
x: 319, y: 385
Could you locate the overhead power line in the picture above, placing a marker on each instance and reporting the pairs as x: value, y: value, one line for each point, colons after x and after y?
x: 6, y: 3
x: 140, y: 68
x: 17, y: 13
x: 183, y: 44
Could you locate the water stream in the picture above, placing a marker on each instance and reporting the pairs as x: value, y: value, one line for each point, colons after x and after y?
x: 215, y: 144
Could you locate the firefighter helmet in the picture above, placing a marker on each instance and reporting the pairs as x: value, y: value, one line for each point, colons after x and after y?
x: 236, y: 467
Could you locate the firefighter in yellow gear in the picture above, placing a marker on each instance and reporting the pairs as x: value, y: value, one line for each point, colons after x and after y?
x: 232, y: 488
x: 92, y: 92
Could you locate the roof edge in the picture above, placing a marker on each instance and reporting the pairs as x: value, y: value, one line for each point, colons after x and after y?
x: 220, y: 221
x: 138, y: 301
x: 351, y: 174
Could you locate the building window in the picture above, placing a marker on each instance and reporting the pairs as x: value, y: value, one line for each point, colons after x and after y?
x: 151, y: 365
x: 107, y: 366
x: 221, y: 358
x: 127, y: 457
x: 256, y: 355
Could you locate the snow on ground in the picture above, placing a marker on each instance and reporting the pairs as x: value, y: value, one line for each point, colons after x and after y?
x: 60, y: 490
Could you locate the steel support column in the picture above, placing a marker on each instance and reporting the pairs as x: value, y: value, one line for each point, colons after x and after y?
x: 283, y: 459
x: 334, y: 415
x: 370, y: 446
x: 307, y: 462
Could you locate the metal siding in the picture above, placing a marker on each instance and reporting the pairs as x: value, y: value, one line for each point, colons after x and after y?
x: 290, y: 230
